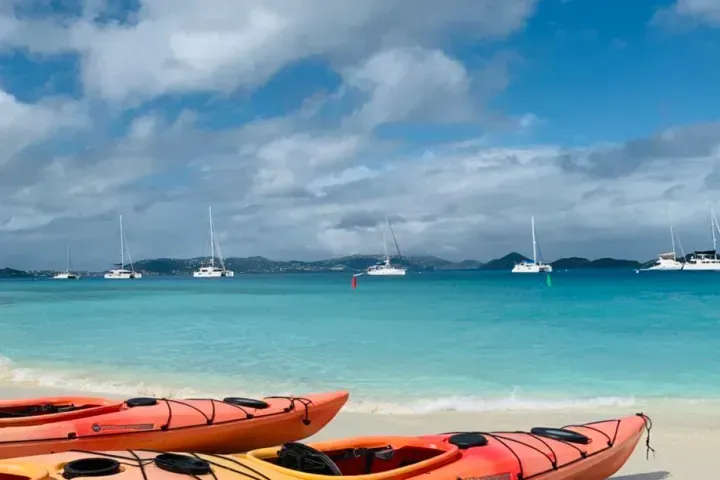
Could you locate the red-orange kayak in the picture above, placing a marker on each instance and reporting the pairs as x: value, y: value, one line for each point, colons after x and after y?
x: 42, y: 425
x: 593, y: 451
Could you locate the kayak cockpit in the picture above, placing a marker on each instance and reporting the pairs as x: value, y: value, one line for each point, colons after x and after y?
x: 374, y: 457
x: 34, y: 411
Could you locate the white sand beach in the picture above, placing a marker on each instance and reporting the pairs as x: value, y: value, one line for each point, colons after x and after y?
x: 686, y: 440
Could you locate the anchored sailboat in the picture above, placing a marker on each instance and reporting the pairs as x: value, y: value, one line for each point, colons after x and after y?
x: 67, y: 274
x: 706, y: 260
x: 121, y: 273
x: 668, y: 261
x: 386, y: 268
x: 534, y: 266
x: 211, y: 271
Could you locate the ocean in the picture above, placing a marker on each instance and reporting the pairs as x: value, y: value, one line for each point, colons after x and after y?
x: 463, y: 341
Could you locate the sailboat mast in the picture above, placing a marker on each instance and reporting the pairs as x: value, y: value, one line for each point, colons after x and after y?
x: 122, y: 245
x: 532, y: 221
x: 712, y: 227
x: 212, y: 239
x: 67, y: 254
x: 387, y: 258
x: 392, y: 231
x: 672, y: 239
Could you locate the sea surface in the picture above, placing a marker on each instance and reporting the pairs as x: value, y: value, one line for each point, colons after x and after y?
x: 426, y: 342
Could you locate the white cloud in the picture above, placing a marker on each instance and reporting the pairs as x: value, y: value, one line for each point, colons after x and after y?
x: 22, y: 125
x: 411, y: 84
x: 289, y: 163
x: 219, y: 45
x: 706, y: 11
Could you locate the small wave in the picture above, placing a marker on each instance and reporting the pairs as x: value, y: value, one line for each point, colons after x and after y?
x: 82, y: 381
x: 479, y: 404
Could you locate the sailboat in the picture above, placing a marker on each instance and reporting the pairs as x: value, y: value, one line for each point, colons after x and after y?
x: 122, y: 273
x: 386, y: 268
x: 706, y: 260
x: 67, y: 274
x: 667, y: 261
x: 211, y: 271
x: 534, y: 266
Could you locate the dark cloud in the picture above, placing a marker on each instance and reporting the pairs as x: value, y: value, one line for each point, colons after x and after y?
x: 372, y: 219
x: 673, y: 145
x: 356, y: 220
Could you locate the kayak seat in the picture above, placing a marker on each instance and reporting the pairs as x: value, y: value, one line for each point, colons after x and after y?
x: 350, y: 461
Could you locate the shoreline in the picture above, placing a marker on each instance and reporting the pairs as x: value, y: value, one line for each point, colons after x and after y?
x: 37, y: 377
x: 684, y: 438
x: 450, y: 404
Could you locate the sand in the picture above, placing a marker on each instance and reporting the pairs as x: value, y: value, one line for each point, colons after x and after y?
x: 686, y: 437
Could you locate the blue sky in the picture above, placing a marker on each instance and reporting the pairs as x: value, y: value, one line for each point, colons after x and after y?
x: 304, y: 123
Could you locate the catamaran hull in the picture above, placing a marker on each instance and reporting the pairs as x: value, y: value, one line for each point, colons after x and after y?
x: 213, y: 274
x: 532, y: 269
x: 702, y: 267
x: 386, y: 273
x: 135, y: 276
x: 663, y: 268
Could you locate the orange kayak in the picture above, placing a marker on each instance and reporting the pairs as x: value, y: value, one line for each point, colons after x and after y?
x: 593, y: 451
x: 44, y: 425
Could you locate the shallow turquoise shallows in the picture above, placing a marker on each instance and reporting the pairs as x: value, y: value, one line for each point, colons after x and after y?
x: 432, y: 341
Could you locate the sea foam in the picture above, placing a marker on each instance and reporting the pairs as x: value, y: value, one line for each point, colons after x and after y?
x: 78, y: 381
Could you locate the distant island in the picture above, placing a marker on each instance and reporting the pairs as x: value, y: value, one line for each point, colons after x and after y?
x: 12, y: 273
x: 571, y: 263
x: 350, y: 264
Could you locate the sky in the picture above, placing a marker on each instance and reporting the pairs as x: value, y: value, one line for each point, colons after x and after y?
x: 303, y: 123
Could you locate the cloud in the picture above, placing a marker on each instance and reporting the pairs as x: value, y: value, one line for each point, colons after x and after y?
x: 410, y: 83
x: 478, y: 201
x: 685, y: 13
x: 288, y: 163
x: 22, y: 125
x: 285, y: 194
x: 304, y: 183
x: 185, y: 46
x: 671, y: 150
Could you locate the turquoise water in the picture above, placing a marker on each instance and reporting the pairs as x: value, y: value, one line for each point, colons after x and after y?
x: 437, y: 341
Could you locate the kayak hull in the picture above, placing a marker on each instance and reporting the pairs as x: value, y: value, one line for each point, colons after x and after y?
x: 198, y: 425
x: 455, y: 456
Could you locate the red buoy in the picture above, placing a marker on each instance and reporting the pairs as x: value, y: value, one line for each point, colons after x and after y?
x: 354, y: 283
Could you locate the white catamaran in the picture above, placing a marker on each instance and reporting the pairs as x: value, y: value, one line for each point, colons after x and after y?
x: 121, y: 273
x: 706, y: 260
x: 67, y: 274
x: 534, y: 266
x: 211, y: 271
x: 386, y: 268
